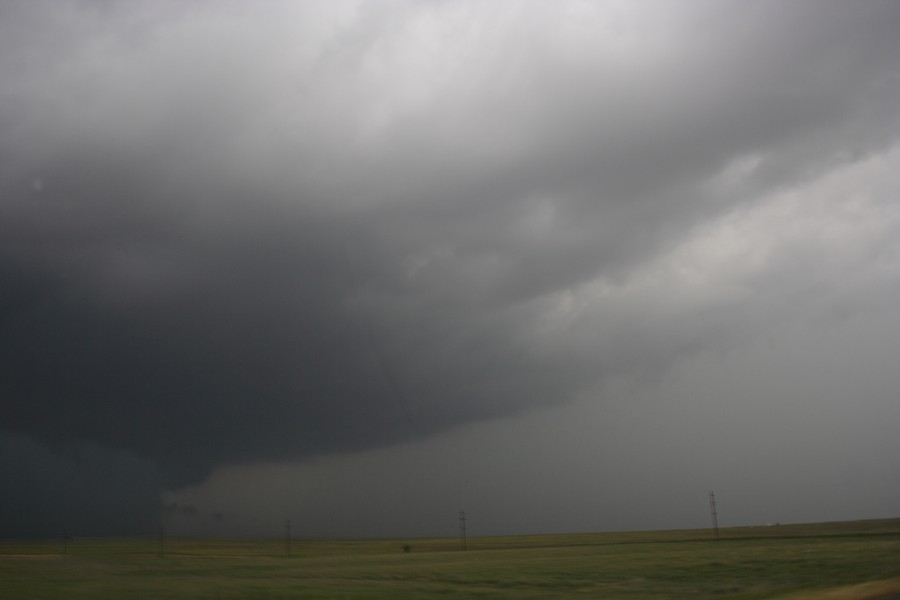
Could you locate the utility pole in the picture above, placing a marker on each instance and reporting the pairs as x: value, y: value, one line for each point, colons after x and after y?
x: 713, y: 513
x: 462, y: 530
x: 287, y: 537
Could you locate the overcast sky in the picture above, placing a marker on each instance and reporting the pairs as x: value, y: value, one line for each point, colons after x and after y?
x: 565, y: 265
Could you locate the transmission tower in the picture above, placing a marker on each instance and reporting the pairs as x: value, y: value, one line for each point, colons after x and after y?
x: 287, y: 537
x: 462, y: 530
x: 713, y: 513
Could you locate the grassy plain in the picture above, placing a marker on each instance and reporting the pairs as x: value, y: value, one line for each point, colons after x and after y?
x: 838, y: 561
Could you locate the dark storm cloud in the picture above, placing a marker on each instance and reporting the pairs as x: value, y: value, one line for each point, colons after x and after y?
x: 232, y: 234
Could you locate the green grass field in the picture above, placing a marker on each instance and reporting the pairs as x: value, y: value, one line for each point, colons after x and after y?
x: 838, y: 561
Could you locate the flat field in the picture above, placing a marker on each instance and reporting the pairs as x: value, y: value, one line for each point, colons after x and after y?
x: 857, y: 560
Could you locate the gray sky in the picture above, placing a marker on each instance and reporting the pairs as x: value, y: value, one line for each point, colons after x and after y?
x: 567, y: 265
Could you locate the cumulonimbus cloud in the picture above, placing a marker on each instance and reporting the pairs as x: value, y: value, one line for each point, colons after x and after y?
x: 233, y: 233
